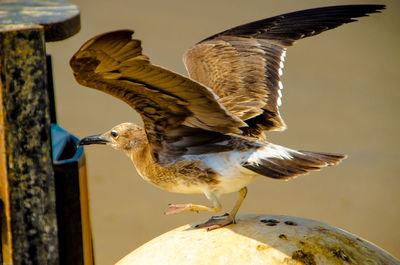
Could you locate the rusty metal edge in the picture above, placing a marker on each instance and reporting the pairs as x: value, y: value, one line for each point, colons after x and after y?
x: 87, y: 238
x: 6, y: 237
x: 52, y: 31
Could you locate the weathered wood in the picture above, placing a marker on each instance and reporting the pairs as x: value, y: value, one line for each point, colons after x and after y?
x: 27, y: 177
x: 60, y: 19
x: 28, y: 205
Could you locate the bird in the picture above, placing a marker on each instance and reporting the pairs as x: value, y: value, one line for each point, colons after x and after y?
x: 207, y: 133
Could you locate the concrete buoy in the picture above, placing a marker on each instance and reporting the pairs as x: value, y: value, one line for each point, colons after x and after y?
x: 260, y: 239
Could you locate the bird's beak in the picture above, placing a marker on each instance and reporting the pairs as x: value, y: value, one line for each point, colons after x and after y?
x: 94, y: 139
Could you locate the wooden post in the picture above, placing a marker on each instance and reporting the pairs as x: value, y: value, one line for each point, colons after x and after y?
x: 26, y: 147
x: 28, y: 207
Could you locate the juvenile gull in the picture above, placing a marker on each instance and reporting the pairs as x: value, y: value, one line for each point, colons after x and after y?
x: 205, y: 134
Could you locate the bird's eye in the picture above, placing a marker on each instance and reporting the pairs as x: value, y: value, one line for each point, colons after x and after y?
x: 114, y: 134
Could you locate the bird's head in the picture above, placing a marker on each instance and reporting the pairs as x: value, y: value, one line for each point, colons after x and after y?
x: 121, y: 137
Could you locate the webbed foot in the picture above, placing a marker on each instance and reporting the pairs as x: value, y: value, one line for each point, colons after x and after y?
x: 181, y: 208
x: 216, y: 222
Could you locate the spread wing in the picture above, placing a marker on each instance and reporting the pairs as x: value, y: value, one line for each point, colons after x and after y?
x: 167, y: 102
x: 243, y: 65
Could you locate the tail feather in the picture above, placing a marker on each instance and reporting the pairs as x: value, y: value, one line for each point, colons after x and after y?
x: 283, y: 163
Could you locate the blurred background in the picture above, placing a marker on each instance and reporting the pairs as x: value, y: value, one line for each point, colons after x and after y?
x: 341, y: 94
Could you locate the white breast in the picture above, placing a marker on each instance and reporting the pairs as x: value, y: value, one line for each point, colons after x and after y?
x: 228, y: 166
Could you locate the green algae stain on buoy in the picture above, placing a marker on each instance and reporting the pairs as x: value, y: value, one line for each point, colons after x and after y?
x: 260, y: 239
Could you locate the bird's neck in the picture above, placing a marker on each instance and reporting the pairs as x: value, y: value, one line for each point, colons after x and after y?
x: 140, y: 153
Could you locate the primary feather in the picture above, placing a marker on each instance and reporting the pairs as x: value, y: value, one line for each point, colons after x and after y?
x: 243, y: 64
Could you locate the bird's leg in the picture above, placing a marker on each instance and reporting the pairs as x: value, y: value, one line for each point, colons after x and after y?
x: 242, y: 196
x: 181, y: 208
x: 226, y: 219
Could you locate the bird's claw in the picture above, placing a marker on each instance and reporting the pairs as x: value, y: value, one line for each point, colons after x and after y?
x: 216, y: 222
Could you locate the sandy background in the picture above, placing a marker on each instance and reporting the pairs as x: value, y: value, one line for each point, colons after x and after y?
x: 341, y: 94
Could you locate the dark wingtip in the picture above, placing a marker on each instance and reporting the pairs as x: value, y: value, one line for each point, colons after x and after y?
x: 378, y: 8
x: 293, y: 26
x: 371, y: 9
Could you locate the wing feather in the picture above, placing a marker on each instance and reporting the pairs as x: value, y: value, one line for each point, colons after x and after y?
x: 243, y: 65
x: 113, y: 63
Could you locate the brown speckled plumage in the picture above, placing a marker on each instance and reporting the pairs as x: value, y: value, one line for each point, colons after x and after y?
x: 166, y: 176
x: 205, y: 134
